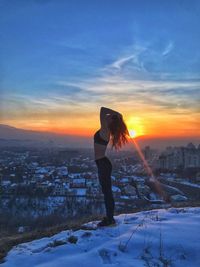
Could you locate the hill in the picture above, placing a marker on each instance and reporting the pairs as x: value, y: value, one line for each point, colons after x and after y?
x: 161, y: 238
x: 11, y: 136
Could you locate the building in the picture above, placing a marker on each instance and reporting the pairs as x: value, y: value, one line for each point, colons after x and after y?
x: 174, y: 158
x: 78, y: 183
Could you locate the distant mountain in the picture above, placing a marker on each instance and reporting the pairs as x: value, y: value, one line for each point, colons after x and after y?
x: 15, y: 136
x: 9, y: 132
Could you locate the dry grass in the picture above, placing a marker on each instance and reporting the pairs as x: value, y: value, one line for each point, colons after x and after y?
x: 8, y: 242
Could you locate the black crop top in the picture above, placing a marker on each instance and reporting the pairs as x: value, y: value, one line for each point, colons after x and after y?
x: 99, y: 140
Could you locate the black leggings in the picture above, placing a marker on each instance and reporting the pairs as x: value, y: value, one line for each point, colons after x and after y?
x: 104, y: 173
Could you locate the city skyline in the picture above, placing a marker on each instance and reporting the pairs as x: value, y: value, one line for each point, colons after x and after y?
x: 60, y: 62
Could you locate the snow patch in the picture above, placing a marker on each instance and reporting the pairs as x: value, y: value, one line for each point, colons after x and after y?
x: 162, y: 237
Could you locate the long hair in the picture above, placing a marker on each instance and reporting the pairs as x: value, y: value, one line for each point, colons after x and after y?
x: 118, y: 131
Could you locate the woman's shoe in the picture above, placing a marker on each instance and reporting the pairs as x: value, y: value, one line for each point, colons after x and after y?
x: 107, y: 222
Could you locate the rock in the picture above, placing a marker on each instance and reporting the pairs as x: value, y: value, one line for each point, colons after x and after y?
x: 72, y: 239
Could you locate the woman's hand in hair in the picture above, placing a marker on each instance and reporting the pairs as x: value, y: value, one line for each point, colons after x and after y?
x: 117, y: 115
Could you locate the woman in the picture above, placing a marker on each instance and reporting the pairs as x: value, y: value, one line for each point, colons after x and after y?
x: 114, y: 128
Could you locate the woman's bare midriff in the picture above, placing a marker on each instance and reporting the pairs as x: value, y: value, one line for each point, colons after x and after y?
x: 99, y: 151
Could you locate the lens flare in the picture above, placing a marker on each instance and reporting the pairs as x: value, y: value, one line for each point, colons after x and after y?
x: 149, y: 170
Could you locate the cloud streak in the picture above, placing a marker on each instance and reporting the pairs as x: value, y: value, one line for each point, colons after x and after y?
x: 131, y: 58
x: 168, y: 49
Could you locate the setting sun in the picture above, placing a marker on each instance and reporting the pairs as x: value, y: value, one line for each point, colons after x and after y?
x: 132, y: 133
x: 135, y: 127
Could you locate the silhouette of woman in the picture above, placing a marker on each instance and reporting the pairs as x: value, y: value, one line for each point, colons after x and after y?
x: 112, y: 128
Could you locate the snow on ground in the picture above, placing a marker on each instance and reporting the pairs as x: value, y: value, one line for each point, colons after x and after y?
x: 160, y: 238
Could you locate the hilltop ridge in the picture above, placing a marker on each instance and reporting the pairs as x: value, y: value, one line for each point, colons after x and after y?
x: 147, y: 238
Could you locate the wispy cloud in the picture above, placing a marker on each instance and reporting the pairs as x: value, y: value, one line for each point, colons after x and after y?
x: 130, y: 58
x: 118, y: 64
x: 142, y: 94
x: 168, y: 49
x: 113, y: 87
x: 141, y: 59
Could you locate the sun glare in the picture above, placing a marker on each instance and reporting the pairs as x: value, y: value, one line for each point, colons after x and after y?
x: 135, y: 126
x: 132, y: 133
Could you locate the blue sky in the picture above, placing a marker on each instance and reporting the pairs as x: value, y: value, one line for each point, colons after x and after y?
x: 70, y: 57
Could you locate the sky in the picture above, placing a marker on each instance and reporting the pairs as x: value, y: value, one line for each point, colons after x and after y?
x: 60, y: 61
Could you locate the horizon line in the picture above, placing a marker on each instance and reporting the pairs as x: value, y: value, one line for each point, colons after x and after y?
x: 91, y: 132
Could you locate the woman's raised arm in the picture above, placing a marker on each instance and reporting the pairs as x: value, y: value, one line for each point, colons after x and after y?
x: 106, y: 113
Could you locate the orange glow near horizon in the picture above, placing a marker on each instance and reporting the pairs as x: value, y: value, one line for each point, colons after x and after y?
x: 139, y: 126
x: 159, y: 131
x: 135, y: 127
x: 70, y: 131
